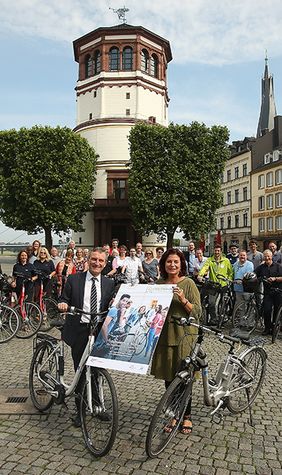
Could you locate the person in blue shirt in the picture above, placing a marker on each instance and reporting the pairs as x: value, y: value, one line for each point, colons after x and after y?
x: 241, y: 267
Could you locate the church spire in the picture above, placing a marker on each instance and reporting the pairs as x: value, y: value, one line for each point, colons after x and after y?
x: 268, y: 108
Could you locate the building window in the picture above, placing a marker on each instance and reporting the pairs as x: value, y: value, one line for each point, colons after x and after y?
x: 269, y: 224
x: 88, y: 66
x: 269, y: 201
x: 261, y: 225
x: 228, y: 222
x: 278, y: 176
x: 236, y: 220
x: 278, y: 223
x: 221, y: 223
x: 278, y: 200
x: 261, y: 203
x: 221, y: 178
x: 245, y: 220
x: 276, y: 155
x: 261, y: 181
x: 154, y: 66
x: 236, y: 196
x: 97, y: 62
x: 267, y: 158
x: 245, y: 193
x: 144, y: 61
x: 119, y: 189
x: 269, y: 179
x: 128, y: 95
x: 114, y: 59
x: 127, y: 111
x: 127, y: 59
x: 236, y: 172
x: 228, y: 201
x: 90, y: 116
x: 245, y: 169
x: 228, y: 178
x: 95, y: 94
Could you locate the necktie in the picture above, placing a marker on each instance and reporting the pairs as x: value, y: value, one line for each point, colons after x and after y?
x: 93, y: 296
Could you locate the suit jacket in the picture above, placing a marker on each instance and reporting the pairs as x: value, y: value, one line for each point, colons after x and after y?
x: 73, y: 295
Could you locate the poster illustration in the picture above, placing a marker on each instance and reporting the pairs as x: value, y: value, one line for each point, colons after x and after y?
x: 132, y: 328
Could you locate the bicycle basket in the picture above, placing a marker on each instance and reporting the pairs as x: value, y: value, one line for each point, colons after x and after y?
x: 211, y: 288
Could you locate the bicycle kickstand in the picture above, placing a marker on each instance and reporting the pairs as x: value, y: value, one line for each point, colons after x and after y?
x: 251, y: 421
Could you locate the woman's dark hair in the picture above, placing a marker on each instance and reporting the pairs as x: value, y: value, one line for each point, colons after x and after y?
x: 169, y: 252
x: 19, y: 254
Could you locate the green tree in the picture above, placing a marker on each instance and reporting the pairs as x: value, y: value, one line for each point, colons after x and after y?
x: 174, y: 179
x: 47, y: 177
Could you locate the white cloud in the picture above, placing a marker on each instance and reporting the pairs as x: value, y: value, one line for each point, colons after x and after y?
x: 205, y: 31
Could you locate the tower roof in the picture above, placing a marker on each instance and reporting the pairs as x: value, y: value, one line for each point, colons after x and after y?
x: 268, y: 108
x: 122, y: 28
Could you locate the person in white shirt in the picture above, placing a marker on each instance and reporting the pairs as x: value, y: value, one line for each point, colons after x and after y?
x: 199, y: 261
x: 132, y: 266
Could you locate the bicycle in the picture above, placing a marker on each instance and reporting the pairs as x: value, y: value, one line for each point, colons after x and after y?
x: 9, y: 319
x: 248, y: 314
x: 224, y: 304
x: 47, y: 305
x: 236, y: 385
x: 98, y: 403
x: 30, y: 314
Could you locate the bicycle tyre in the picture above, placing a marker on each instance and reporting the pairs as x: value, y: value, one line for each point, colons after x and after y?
x: 52, y: 313
x: 9, y: 323
x: 277, y: 325
x: 99, y: 435
x: 222, y: 313
x: 206, y: 318
x: 171, y: 406
x: 245, y: 316
x: 140, y: 343
x: 39, y: 395
x: 32, y: 322
x: 253, y: 361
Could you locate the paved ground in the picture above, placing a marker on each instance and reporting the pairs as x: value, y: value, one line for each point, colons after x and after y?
x: 48, y: 444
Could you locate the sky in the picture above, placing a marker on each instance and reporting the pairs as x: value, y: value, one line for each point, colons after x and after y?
x: 218, y: 50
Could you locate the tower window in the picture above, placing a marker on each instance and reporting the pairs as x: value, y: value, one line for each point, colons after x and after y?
x: 127, y: 112
x: 128, y: 95
x: 144, y: 61
x: 154, y: 66
x: 114, y: 59
x: 97, y: 62
x: 88, y: 66
x: 127, y: 58
x: 90, y: 116
x: 95, y: 94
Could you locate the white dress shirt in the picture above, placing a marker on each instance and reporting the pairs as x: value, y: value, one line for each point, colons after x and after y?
x: 87, y: 295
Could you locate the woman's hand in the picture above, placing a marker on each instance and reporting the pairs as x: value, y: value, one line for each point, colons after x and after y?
x: 180, y: 294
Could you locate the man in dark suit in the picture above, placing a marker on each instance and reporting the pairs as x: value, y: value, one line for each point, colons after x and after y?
x: 77, y: 293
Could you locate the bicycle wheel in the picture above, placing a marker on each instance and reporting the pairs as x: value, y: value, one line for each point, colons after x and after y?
x: 139, y: 343
x: 52, y: 313
x: 206, y: 318
x: 247, y: 379
x: 32, y: 321
x: 277, y: 325
x: 245, y: 316
x: 9, y: 323
x: 171, y: 406
x: 42, y: 363
x: 222, y: 312
x: 99, y: 427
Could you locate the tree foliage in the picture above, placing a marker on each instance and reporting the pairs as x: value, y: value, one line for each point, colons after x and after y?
x: 46, y: 179
x: 174, y: 179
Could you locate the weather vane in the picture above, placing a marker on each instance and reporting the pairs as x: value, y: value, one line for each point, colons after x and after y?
x: 120, y: 13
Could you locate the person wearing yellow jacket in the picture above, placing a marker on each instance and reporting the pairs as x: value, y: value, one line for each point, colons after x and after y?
x: 216, y: 265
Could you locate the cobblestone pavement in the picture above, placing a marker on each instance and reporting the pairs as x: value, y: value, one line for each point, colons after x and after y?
x: 48, y: 444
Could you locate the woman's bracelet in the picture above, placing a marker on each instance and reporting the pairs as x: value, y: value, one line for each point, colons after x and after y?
x: 185, y: 303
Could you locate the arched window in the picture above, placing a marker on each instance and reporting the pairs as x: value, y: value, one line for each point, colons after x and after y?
x: 144, y: 61
x: 88, y: 66
x: 154, y: 66
x: 97, y: 62
x: 114, y: 59
x: 127, y: 58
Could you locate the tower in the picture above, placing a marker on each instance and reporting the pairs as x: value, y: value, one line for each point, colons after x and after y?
x: 122, y: 80
x: 268, y: 108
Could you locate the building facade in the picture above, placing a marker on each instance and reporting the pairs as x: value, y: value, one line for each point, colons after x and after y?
x: 122, y: 79
x: 234, y: 217
x: 266, y: 185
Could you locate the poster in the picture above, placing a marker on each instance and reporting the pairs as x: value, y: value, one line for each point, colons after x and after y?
x: 132, y: 328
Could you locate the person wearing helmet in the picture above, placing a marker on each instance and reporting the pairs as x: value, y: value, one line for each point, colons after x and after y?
x: 272, y: 273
